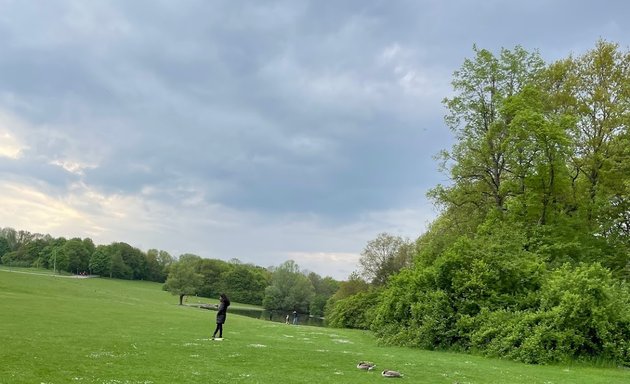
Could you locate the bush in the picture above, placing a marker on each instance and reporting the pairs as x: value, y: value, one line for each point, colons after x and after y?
x: 17, y: 259
x: 356, y: 311
x: 595, y: 306
x: 435, y: 306
x: 393, y: 322
x: 583, y: 314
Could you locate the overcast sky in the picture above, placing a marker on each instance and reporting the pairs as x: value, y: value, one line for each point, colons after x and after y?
x: 257, y: 130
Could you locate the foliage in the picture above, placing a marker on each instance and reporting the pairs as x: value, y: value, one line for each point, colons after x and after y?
x: 355, y: 311
x: 384, y: 256
x: 290, y: 289
x: 77, y: 253
x: 423, y: 306
x: 157, y: 263
x: 182, y: 279
x: 583, y: 312
x: 489, y: 294
x: 133, y: 260
x: 245, y: 284
x: 4, y: 247
x: 16, y: 259
x: 530, y: 257
x: 355, y: 284
x: 212, y: 270
x: 119, y: 260
x: 100, y: 261
x: 324, y: 288
x: 478, y: 162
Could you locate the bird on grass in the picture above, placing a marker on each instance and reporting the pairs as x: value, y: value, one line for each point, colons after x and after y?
x: 366, y: 365
x: 389, y: 373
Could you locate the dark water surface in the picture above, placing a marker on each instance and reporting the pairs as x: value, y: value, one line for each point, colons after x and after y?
x: 277, y: 316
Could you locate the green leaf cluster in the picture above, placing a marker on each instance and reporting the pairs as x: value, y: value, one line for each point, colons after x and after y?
x: 530, y: 256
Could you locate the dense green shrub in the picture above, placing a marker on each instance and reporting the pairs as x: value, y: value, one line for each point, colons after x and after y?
x: 393, y: 321
x: 591, y: 303
x: 16, y: 259
x: 433, y: 307
x: 491, y: 295
x: 583, y: 313
x: 355, y: 311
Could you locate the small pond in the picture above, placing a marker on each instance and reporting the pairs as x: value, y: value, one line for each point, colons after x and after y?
x: 277, y: 316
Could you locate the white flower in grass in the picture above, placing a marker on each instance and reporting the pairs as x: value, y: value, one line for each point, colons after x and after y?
x: 343, y: 341
x: 96, y: 355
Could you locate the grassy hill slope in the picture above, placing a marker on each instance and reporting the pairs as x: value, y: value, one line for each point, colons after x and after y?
x: 65, y: 330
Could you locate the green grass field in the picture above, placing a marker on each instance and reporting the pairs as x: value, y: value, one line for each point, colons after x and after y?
x: 64, y: 330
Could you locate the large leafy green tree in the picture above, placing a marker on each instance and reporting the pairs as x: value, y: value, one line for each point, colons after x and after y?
x: 47, y: 254
x: 245, y: 284
x: 133, y: 261
x: 23, y: 248
x: 16, y: 239
x: 212, y: 270
x: 324, y: 289
x: 156, y: 263
x: 290, y: 289
x: 384, y: 256
x: 601, y: 89
x: 77, y: 254
x: 60, y: 260
x: 117, y: 267
x: 182, y: 279
x: 478, y: 162
x: 101, y: 260
x: 4, y: 246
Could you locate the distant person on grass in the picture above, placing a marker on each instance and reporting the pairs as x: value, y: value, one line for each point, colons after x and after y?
x: 224, y: 303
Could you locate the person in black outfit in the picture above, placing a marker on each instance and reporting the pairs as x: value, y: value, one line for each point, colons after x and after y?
x: 224, y: 303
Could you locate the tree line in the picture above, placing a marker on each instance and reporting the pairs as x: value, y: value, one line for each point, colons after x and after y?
x: 529, y: 258
x: 119, y: 260
x: 285, y: 287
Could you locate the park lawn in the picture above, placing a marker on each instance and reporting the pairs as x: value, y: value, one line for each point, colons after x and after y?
x: 64, y: 330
